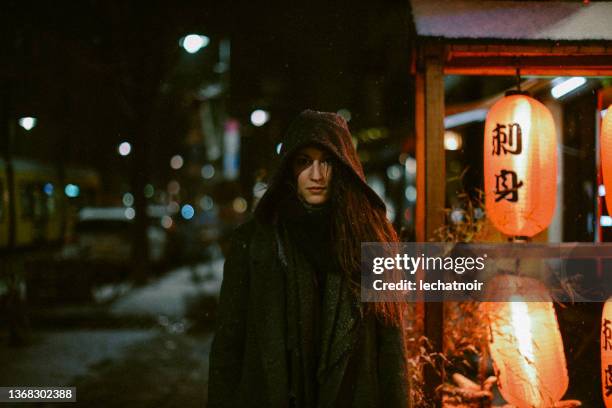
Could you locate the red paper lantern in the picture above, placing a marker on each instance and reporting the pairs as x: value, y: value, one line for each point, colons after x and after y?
x: 525, y: 343
x: 520, y: 165
x: 606, y: 353
x: 606, y: 156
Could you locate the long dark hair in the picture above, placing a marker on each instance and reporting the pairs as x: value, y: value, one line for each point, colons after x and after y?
x: 355, y: 219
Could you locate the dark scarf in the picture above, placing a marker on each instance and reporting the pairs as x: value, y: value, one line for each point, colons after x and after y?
x: 309, y: 228
x: 314, y: 289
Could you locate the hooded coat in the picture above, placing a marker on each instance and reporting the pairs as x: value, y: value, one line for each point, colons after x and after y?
x: 263, y: 332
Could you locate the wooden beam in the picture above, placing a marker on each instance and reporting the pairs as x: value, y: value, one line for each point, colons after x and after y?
x: 550, y: 49
x: 529, y: 70
x: 590, y: 62
x: 547, y: 59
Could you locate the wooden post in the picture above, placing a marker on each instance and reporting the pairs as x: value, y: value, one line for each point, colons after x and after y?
x: 431, y: 164
x: 431, y: 180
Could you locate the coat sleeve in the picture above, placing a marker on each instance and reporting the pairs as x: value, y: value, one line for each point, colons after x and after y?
x: 227, y: 349
x: 392, y: 366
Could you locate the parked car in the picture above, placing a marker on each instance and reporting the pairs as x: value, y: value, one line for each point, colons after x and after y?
x: 105, y: 234
x: 99, y: 254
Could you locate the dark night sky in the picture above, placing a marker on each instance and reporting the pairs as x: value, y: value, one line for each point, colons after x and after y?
x: 91, y: 69
x: 320, y: 55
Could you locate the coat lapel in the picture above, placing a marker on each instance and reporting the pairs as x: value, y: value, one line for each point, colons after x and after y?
x: 268, y: 283
x: 340, y: 323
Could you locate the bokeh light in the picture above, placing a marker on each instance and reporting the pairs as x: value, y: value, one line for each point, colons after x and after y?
x: 411, y: 194
x: 345, y: 113
x: 208, y: 171
x: 206, y: 203
x: 48, y: 189
x: 27, y: 122
x: 193, y: 43
x: 259, y: 117
x: 166, y: 221
x: 124, y: 148
x: 187, y: 212
x: 130, y: 213
x: 452, y: 140
x: 173, y: 207
x: 411, y: 166
x: 239, y: 205
x: 128, y: 199
x: 176, y: 162
x: 72, y: 190
x: 149, y: 191
x: 394, y: 172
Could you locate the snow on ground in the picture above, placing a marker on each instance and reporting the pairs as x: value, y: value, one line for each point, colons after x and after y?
x: 169, y: 295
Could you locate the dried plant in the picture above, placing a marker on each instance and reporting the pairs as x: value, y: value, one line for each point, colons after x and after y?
x: 420, y: 356
x: 465, y: 330
x: 465, y: 220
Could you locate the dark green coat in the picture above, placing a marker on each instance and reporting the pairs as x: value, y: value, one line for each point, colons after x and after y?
x: 363, y: 366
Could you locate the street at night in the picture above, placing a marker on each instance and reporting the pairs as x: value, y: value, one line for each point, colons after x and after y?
x: 201, y: 203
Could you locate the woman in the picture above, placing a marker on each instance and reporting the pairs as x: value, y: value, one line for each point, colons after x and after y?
x: 291, y: 329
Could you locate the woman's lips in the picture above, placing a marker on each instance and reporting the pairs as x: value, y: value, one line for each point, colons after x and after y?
x: 316, y: 189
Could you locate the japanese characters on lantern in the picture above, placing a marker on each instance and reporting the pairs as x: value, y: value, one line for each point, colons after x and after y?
x: 606, y: 156
x: 606, y: 353
x: 520, y: 166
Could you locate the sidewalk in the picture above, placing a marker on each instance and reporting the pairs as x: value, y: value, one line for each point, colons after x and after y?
x: 169, y: 298
x: 143, y: 353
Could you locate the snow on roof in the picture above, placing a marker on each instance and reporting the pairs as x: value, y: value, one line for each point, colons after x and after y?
x: 513, y: 20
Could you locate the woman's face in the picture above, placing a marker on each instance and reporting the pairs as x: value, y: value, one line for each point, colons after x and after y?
x: 312, y: 168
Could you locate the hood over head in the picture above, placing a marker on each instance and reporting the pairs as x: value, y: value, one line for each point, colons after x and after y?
x: 325, y: 129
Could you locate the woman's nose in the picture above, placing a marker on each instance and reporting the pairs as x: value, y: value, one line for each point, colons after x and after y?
x: 316, y: 173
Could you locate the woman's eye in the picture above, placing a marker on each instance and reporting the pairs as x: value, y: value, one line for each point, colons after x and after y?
x: 302, y: 162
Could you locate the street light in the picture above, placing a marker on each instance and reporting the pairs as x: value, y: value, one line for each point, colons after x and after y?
x: 124, y: 148
x: 259, y: 117
x: 193, y: 43
x: 563, y: 86
x: 27, y: 122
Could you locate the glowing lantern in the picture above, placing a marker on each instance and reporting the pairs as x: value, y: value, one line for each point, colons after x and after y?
x: 520, y: 165
x: 606, y: 353
x: 606, y: 156
x: 526, y: 345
